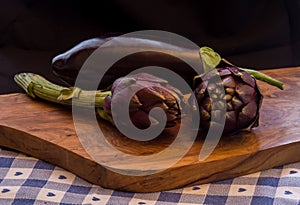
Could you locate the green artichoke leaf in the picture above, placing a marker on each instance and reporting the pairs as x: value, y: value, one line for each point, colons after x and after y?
x: 210, y: 58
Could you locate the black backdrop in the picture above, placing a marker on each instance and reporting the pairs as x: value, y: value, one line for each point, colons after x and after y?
x: 250, y: 33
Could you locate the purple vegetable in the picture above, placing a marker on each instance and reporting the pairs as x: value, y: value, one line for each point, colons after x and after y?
x: 242, y: 97
x: 152, y: 92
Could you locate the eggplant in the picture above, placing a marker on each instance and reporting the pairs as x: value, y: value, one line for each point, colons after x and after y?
x: 67, y: 65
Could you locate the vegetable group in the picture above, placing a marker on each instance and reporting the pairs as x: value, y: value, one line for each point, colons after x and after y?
x: 238, y: 99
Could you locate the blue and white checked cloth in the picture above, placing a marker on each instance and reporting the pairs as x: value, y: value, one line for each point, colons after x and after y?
x: 25, y: 180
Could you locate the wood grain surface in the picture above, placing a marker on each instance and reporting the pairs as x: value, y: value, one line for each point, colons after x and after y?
x: 46, y: 131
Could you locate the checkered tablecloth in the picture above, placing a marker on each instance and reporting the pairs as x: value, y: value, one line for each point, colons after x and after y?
x: 25, y: 180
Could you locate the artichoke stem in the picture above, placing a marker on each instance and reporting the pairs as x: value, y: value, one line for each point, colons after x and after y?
x: 260, y: 76
x: 104, y: 115
x: 263, y: 77
x: 37, y: 86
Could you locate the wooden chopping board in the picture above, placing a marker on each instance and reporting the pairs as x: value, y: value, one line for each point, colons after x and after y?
x: 46, y: 131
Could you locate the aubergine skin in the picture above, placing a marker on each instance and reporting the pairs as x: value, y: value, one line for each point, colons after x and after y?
x: 67, y: 65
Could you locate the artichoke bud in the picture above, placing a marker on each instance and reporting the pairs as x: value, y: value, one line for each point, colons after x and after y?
x: 151, y: 92
x: 241, y: 96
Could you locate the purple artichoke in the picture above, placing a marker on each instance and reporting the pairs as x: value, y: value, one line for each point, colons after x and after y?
x: 242, y: 96
x: 151, y: 92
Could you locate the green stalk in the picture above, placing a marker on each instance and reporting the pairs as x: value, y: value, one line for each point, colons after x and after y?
x: 263, y: 77
x: 211, y: 59
x: 37, y: 86
x: 104, y: 115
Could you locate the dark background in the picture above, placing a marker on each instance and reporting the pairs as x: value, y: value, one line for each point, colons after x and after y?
x: 251, y: 33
